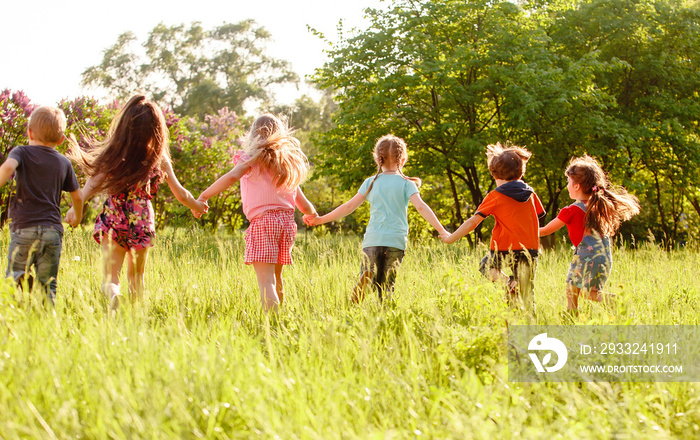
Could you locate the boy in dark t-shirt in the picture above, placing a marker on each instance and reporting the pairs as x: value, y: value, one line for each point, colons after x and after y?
x: 515, y: 240
x: 41, y: 173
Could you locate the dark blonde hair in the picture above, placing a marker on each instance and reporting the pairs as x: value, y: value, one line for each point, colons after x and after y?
x: 133, y: 150
x: 271, y: 145
x: 607, y: 207
x: 48, y: 125
x: 506, y: 162
x: 387, y: 148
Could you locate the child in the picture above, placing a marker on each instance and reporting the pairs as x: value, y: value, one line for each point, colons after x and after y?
x: 517, y: 209
x: 41, y: 173
x: 128, y: 166
x: 270, y: 168
x: 388, y: 194
x: 591, y: 221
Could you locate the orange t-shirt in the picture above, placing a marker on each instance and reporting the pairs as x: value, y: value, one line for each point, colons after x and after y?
x: 517, y: 224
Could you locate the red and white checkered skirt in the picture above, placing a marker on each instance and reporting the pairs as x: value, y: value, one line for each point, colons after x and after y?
x: 270, y: 238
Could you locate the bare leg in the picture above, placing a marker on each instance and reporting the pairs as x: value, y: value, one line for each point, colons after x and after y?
x: 572, y: 295
x: 601, y: 297
x: 266, y: 282
x: 135, y: 272
x: 279, y: 286
x: 113, y: 257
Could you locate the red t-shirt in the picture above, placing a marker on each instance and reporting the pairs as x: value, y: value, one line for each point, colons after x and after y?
x: 517, y: 225
x: 574, y: 216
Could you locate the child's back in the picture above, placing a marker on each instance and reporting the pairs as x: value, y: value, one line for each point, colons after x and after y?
x: 517, y: 210
x: 388, y: 200
x: 41, y: 174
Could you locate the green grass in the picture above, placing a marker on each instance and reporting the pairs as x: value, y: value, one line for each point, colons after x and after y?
x: 198, y: 359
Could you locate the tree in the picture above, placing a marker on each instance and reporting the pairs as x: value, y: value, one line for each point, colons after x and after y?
x: 652, y: 145
x: 194, y: 70
x: 450, y: 77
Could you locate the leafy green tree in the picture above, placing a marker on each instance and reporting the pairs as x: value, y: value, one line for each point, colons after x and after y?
x: 451, y: 77
x: 651, y: 142
x: 613, y: 79
x: 196, y: 71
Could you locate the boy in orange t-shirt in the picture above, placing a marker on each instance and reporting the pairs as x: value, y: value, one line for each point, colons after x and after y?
x: 515, y: 239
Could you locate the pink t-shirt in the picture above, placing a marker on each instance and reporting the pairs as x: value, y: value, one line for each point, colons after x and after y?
x: 260, y: 194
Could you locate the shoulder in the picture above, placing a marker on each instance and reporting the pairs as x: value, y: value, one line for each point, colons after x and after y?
x: 366, y: 182
x: 18, y: 151
x: 492, y: 196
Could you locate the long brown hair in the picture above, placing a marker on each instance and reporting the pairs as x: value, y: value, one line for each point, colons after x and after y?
x: 271, y: 146
x: 136, y: 144
x: 387, y: 148
x: 607, y: 207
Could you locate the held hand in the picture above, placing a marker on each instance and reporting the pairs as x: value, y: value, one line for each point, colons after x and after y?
x: 447, y: 238
x: 311, y: 219
x: 202, y: 207
x: 70, y: 218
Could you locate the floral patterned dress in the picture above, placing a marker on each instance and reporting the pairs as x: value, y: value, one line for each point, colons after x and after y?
x: 592, y: 263
x: 128, y: 217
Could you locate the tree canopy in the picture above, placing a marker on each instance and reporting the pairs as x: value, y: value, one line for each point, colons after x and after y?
x: 616, y: 79
x: 194, y: 70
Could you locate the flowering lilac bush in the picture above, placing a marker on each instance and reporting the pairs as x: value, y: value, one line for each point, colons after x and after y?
x: 15, y: 108
x: 201, y: 151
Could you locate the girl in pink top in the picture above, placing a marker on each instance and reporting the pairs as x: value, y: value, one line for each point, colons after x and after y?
x: 270, y: 169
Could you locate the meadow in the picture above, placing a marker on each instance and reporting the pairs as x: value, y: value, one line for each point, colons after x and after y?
x: 198, y: 359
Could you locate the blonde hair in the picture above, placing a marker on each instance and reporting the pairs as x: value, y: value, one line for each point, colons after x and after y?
x: 48, y: 124
x: 506, y: 162
x: 271, y: 146
x: 390, y: 147
x: 607, y: 207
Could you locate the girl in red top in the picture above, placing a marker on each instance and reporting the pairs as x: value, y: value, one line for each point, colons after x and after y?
x: 591, y: 221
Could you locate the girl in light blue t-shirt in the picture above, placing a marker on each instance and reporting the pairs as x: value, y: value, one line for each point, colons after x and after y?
x: 388, y: 194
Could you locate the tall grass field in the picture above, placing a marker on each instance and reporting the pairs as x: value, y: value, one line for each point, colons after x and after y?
x: 198, y: 359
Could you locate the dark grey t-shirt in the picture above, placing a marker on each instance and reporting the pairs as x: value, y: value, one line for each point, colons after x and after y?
x: 41, y: 175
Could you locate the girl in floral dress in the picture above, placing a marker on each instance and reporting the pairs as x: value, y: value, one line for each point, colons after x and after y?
x: 129, y: 166
x: 591, y: 221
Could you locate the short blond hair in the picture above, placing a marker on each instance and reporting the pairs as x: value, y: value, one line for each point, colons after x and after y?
x: 48, y: 124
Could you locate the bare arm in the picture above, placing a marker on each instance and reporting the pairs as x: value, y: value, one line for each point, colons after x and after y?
x: 6, y: 170
x: 427, y: 213
x: 225, y: 182
x: 75, y: 213
x: 181, y: 194
x: 304, y: 205
x: 90, y: 187
x: 551, y: 227
x: 341, y: 211
x: 463, y: 230
x: 79, y: 197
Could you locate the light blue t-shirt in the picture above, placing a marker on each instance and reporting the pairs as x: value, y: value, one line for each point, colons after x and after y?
x: 388, y: 210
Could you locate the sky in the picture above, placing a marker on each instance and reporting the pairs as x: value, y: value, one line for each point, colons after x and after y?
x: 45, y: 45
